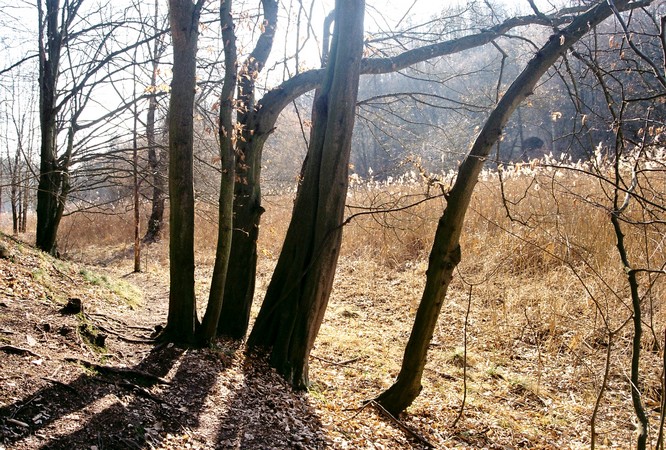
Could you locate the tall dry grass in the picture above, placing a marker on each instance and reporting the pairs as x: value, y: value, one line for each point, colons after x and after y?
x: 541, y: 240
x: 539, y: 265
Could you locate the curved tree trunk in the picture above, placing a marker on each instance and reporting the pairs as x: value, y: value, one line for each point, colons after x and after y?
x: 247, y: 209
x: 297, y: 296
x: 445, y: 253
x: 258, y: 123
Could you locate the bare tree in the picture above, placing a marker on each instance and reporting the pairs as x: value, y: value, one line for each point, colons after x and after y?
x: 77, y: 58
x: 446, y: 253
x: 257, y: 122
x: 296, y: 300
x: 155, y: 154
x: 52, y: 179
x: 182, y: 319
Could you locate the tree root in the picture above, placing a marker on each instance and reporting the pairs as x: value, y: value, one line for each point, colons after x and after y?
x: 19, y: 351
x: 147, y: 377
x: 401, y: 425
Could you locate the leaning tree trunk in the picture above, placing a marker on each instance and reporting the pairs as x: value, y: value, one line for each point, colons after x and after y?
x: 258, y: 123
x: 293, y: 309
x: 446, y: 253
x: 182, y: 318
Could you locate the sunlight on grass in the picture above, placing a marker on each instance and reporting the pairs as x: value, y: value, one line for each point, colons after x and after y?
x: 129, y: 293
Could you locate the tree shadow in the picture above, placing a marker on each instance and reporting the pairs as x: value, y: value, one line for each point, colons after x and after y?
x: 264, y: 412
x: 138, y: 420
x: 58, y: 407
x: 256, y: 409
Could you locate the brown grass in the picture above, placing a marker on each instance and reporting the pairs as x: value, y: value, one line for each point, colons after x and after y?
x: 544, y: 290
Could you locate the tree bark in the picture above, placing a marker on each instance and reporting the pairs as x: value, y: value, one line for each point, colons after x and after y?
x: 135, y: 193
x: 297, y: 296
x: 227, y: 131
x: 247, y: 209
x: 446, y: 253
x: 50, y: 43
x: 155, y: 154
x: 182, y: 318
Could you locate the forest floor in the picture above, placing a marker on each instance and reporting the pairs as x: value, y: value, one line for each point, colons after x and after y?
x: 94, y: 380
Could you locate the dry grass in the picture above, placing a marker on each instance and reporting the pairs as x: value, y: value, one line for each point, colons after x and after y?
x: 545, y: 288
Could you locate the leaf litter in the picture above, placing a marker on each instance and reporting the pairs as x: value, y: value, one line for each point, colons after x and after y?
x: 221, y: 398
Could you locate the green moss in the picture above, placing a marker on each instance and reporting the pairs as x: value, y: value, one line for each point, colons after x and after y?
x: 91, y: 335
x: 129, y: 293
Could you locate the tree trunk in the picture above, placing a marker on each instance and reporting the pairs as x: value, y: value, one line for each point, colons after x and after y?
x: 15, y: 207
x: 297, y: 296
x: 26, y: 198
x: 257, y: 126
x: 182, y: 317
x: 135, y: 182
x: 445, y: 253
x: 155, y: 162
x: 227, y: 131
x: 247, y: 210
x: 238, y: 295
x: 155, y: 154
x: 15, y: 193
x: 50, y: 42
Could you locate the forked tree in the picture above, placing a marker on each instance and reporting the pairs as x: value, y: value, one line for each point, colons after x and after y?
x: 253, y: 130
x: 296, y: 300
x: 256, y: 121
x: 66, y: 91
x: 54, y: 26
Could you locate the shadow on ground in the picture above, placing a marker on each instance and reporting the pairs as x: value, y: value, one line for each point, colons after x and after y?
x: 263, y: 412
x: 112, y: 411
x: 216, y: 398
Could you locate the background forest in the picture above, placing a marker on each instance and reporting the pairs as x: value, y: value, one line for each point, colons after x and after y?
x: 452, y: 217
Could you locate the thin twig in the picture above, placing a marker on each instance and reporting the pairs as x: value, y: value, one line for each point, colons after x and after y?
x: 62, y: 273
x: 342, y: 363
x: 401, y: 425
x: 660, y: 437
x: 464, y: 399
x: 602, y: 389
